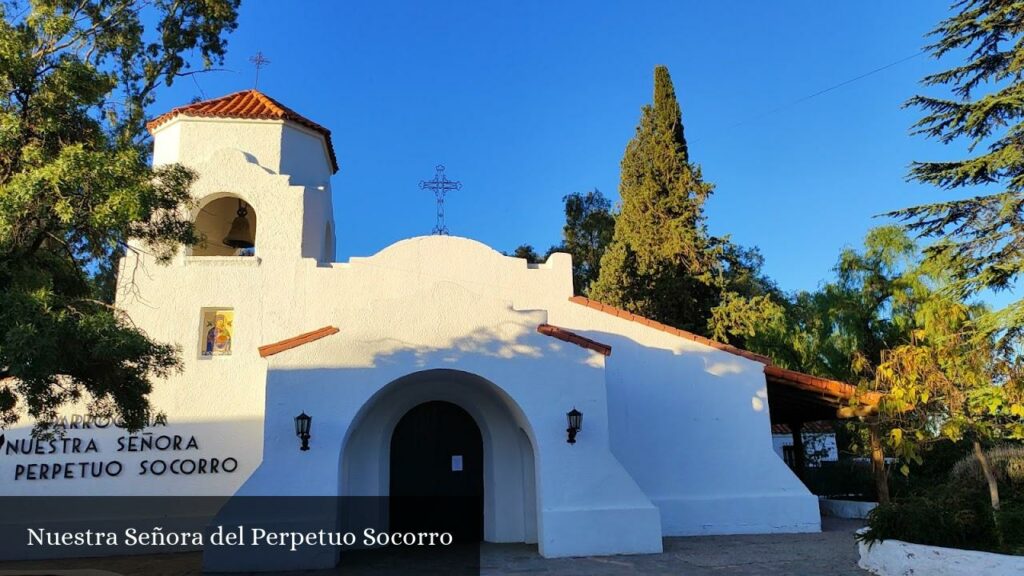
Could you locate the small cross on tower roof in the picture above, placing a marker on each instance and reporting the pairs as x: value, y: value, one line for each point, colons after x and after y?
x: 259, y: 61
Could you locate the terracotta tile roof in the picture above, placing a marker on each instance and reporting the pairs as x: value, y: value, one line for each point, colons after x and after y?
x: 833, y: 388
x: 296, y: 341
x: 251, y: 104
x: 669, y: 329
x: 574, y: 338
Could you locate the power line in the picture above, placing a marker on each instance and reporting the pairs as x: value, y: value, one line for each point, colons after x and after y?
x: 198, y: 87
x: 826, y: 90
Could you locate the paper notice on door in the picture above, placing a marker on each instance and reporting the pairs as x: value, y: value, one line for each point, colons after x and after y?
x: 457, y: 463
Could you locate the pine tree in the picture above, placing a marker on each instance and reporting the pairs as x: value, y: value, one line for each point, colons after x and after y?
x: 981, y: 237
x: 661, y: 262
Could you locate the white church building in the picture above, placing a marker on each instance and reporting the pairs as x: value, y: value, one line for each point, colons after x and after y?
x: 480, y: 356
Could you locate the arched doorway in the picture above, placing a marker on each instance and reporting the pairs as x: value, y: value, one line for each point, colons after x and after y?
x: 510, y: 494
x: 437, y: 472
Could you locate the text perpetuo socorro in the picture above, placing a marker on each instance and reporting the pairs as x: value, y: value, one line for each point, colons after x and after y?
x: 237, y: 536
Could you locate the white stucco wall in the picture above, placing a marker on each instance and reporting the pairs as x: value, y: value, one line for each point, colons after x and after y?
x: 676, y: 436
x: 218, y: 401
x: 305, y: 156
x: 691, y: 424
x: 280, y: 146
x: 587, y: 502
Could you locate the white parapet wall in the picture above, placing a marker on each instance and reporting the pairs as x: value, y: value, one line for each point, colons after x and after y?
x: 898, y: 558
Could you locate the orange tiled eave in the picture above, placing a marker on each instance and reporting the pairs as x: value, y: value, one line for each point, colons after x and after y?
x: 807, y: 382
x: 668, y: 329
x: 834, y: 388
x: 813, y: 383
x: 294, y: 342
x: 247, y: 104
x: 574, y: 338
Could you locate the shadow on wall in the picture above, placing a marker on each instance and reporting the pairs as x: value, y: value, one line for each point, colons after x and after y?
x: 655, y: 396
x: 691, y: 422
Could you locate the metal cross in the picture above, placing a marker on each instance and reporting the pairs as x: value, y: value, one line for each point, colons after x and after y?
x: 259, y: 61
x: 440, y: 185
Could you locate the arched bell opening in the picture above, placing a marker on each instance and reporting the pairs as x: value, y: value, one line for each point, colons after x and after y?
x: 227, y: 227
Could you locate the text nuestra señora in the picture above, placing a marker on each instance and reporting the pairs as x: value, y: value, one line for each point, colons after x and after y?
x: 143, y: 442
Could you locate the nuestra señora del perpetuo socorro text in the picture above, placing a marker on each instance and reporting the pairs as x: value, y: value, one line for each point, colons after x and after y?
x: 81, y: 443
x: 234, y: 536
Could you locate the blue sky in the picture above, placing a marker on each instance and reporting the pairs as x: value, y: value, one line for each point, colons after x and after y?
x: 527, y: 101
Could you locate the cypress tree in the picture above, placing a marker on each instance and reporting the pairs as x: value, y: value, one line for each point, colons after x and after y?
x: 661, y: 262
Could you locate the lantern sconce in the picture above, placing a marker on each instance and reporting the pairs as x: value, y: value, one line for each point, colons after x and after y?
x: 302, y: 424
x: 575, y: 418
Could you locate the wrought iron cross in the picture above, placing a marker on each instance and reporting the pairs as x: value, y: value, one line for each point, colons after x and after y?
x: 440, y: 185
x: 259, y: 61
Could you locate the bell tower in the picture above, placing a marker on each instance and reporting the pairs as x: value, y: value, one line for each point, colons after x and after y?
x: 264, y: 172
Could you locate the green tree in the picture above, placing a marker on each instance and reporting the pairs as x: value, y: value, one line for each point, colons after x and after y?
x: 589, y: 225
x: 749, y: 305
x: 841, y: 330
x: 888, y: 324
x: 983, y: 234
x: 527, y: 252
x: 844, y: 329
x: 76, y: 187
x: 948, y: 381
x: 660, y: 262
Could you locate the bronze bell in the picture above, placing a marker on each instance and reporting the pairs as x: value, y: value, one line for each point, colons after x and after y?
x: 240, y: 236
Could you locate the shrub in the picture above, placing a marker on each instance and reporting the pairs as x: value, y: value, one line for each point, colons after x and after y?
x: 938, y: 459
x: 1007, y: 463
x: 943, y: 521
x: 1011, y: 524
x: 947, y: 503
x: 951, y: 516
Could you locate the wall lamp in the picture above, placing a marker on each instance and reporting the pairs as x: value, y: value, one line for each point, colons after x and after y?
x: 302, y: 424
x: 575, y: 418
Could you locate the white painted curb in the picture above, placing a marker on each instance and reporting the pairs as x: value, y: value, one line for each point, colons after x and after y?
x: 898, y: 558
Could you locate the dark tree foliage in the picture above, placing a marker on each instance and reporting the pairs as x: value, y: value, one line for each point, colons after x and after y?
x: 527, y: 252
x: 842, y: 330
x: 589, y: 225
x: 661, y: 261
x: 76, y: 190
x: 982, y: 236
